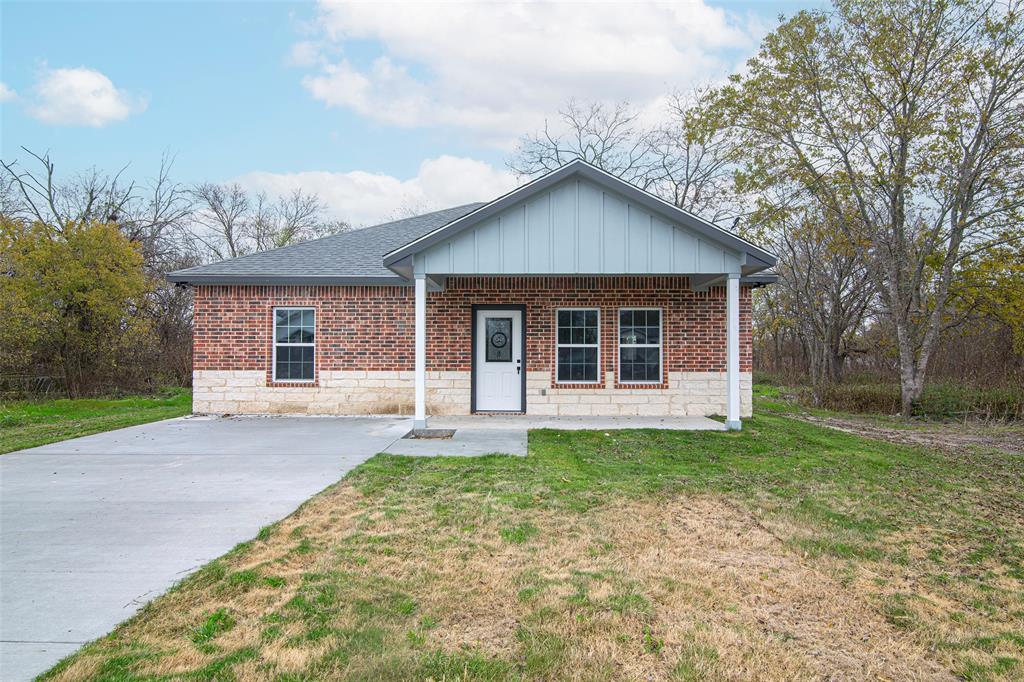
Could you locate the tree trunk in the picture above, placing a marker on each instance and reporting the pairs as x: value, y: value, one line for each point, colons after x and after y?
x: 911, y: 389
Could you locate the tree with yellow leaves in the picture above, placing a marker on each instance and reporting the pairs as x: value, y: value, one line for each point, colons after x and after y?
x: 72, y: 299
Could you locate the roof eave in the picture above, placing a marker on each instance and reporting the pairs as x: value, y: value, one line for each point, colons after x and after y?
x: 182, y: 277
x: 759, y: 280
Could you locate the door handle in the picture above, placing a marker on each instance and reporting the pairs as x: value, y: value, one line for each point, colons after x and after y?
x: 518, y: 367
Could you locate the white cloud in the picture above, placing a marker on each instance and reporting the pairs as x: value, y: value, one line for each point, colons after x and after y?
x: 496, y: 69
x: 364, y: 198
x: 303, y: 53
x: 6, y: 93
x: 81, y: 97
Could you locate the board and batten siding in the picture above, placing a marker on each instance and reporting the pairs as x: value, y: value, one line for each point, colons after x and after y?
x: 577, y: 227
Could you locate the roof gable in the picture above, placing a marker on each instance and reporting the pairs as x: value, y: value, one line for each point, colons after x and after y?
x: 578, y: 220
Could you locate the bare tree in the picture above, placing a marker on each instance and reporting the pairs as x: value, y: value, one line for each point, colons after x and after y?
x: 294, y: 217
x: 823, y: 293
x: 159, y: 217
x: 687, y: 159
x: 223, y: 210
x: 909, y: 113
x: 230, y: 222
x: 696, y: 157
x: 92, y: 195
x: 607, y: 136
x: 150, y: 214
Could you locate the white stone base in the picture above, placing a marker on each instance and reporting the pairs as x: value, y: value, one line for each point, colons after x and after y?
x: 448, y: 393
x: 338, y: 392
x: 689, y: 394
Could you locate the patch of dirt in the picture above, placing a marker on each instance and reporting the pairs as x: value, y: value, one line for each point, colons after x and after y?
x: 1008, y: 439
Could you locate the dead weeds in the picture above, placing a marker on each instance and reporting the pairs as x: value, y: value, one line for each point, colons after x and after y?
x: 689, y: 587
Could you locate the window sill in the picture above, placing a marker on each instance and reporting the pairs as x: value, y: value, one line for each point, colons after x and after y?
x: 293, y: 384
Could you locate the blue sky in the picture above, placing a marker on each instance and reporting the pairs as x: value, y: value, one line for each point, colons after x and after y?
x: 371, y: 105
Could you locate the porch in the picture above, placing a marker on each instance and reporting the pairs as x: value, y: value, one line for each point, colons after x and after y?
x: 658, y: 347
x: 476, y: 435
x: 529, y: 422
x: 672, y: 331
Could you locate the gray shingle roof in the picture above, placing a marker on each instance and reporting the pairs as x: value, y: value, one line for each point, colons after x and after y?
x: 348, y: 258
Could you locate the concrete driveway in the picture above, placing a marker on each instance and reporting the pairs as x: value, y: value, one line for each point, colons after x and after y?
x: 93, y: 528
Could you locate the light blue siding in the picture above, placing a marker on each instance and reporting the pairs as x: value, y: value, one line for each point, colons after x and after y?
x: 731, y: 261
x: 488, y: 247
x: 439, y: 258
x: 577, y: 227
x: 590, y: 237
x: 661, y: 257
x: 538, y: 234
x: 614, y: 218
x: 464, y: 252
x: 563, y: 228
x: 684, y: 252
x: 513, y: 240
x: 639, y: 241
x: 709, y: 258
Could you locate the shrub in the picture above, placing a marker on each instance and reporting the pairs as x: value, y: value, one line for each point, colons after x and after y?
x: 940, y: 400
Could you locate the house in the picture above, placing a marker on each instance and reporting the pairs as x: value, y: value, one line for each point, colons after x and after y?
x: 575, y: 294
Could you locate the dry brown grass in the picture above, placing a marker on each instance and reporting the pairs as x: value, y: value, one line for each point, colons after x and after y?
x: 686, y: 587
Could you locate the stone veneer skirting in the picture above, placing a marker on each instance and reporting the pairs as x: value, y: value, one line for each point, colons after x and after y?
x: 448, y: 392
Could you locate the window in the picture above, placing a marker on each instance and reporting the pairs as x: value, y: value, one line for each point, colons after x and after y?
x: 294, y: 334
x: 499, y: 339
x: 640, y: 346
x: 577, y: 346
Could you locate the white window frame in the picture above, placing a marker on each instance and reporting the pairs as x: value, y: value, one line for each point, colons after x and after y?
x: 660, y: 345
x: 579, y: 345
x: 273, y: 356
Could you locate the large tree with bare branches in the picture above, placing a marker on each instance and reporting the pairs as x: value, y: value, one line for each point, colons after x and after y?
x: 909, y: 114
x: 684, y: 156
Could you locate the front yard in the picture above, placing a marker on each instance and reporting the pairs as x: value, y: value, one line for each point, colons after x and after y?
x: 28, y: 423
x: 785, y: 551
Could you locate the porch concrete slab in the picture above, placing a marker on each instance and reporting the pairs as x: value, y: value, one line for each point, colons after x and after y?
x: 467, y: 442
x: 526, y: 421
x: 507, y: 434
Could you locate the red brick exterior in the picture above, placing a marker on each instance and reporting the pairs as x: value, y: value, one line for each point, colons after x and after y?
x: 371, y: 327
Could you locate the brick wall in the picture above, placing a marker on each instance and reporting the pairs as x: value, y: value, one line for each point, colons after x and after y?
x: 371, y: 328
x: 368, y: 332
x: 693, y: 323
x: 358, y: 328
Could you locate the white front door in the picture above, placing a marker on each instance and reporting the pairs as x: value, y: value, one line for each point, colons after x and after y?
x: 499, y: 360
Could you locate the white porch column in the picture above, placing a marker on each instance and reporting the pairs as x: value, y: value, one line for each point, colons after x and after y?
x: 420, y: 420
x: 732, y: 334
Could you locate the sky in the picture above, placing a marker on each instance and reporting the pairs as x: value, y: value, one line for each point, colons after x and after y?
x: 377, y: 107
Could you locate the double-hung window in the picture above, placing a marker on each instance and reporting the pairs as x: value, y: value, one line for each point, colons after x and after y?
x: 294, y: 343
x: 577, y: 346
x: 640, y: 346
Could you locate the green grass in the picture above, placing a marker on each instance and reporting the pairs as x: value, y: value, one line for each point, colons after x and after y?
x: 216, y: 623
x: 854, y: 490
x: 26, y: 424
x: 941, y: 536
